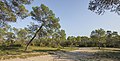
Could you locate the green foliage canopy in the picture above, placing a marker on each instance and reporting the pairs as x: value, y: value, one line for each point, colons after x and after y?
x: 100, y: 6
x: 11, y: 9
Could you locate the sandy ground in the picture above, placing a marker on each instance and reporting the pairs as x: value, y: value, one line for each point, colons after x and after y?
x: 78, y: 55
x: 41, y: 58
x: 37, y: 58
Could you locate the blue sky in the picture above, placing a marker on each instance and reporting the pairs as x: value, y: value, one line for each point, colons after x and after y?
x: 75, y: 18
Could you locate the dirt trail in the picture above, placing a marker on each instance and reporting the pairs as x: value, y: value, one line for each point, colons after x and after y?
x: 83, y: 54
x: 77, y: 55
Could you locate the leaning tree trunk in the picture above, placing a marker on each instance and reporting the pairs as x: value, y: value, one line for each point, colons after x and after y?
x: 33, y: 37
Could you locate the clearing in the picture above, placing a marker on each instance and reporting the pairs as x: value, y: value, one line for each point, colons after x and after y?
x: 82, y: 54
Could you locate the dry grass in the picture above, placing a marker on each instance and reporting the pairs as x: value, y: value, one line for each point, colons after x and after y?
x: 10, y: 53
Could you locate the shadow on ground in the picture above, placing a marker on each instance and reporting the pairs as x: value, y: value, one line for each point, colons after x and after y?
x: 101, y: 55
x: 115, y: 55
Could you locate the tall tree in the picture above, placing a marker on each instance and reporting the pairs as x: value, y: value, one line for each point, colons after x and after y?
x: 46, y: 20
x: 99, y: 34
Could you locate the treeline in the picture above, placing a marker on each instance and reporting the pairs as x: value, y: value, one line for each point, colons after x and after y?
x: 10, y: 36
x: 98, y: 38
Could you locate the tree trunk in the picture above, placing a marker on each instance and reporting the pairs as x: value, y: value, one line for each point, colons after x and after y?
x: 33, y: 37
x: 99, y: 44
